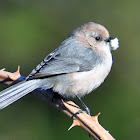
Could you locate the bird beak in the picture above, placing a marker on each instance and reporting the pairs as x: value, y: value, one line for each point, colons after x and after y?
x: 114, y: 43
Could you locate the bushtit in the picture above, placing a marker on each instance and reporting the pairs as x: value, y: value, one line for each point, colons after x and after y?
x: 77, y: 67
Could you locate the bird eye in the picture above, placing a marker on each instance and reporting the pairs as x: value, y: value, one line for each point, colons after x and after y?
x: 98, y: 38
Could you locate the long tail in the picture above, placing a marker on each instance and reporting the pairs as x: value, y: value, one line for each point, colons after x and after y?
x: 15, y: 92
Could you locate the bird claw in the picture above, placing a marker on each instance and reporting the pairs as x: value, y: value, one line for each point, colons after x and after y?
x: 78, y: 112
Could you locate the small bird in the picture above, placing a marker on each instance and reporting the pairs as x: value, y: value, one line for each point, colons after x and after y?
x: 78, y: 66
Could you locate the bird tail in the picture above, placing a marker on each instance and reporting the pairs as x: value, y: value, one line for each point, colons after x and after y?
x: 15, y: 92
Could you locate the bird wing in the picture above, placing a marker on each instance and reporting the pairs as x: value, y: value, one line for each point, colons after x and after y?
x: 69, y: 57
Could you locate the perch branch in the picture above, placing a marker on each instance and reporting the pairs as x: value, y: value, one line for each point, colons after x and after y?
x: 88, y: 123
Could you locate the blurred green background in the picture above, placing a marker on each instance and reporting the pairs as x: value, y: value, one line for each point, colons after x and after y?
x: 29, y: 30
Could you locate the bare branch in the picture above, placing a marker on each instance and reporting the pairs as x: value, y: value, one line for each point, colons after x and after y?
x: 88, y: 123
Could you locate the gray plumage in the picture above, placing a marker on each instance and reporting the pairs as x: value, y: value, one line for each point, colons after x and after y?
x: 15, y: 92
x: 78, y: 66
x: 67, y: 58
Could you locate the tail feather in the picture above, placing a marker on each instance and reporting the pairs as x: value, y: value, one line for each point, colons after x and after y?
x: 15, y: 92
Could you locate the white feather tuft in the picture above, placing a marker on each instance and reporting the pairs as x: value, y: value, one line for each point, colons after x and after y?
x: 114, y: 43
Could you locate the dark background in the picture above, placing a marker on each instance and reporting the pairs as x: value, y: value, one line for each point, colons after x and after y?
x: 29, y: 30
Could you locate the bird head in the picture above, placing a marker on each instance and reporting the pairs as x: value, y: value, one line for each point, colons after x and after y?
x: 96, y: 37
